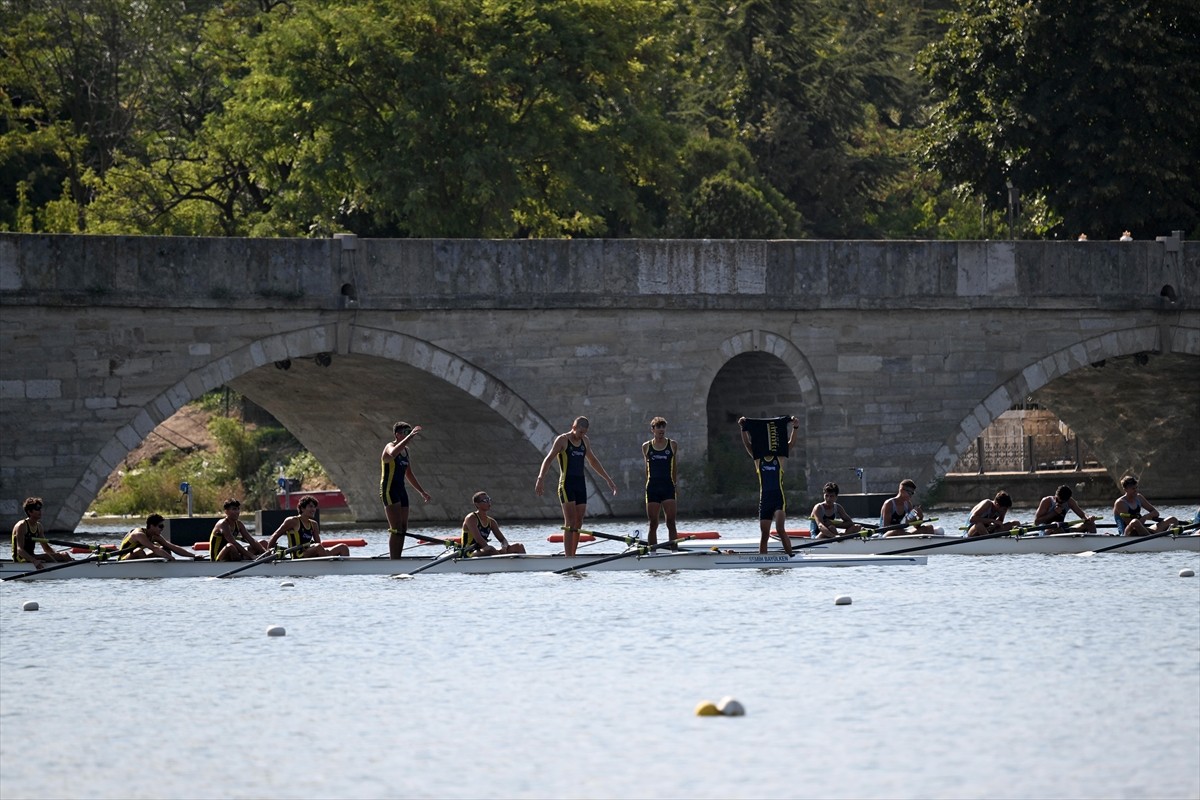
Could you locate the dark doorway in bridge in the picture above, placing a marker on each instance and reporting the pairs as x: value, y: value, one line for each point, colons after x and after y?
x: 749, y: 385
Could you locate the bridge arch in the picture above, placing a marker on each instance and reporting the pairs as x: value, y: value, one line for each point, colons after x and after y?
x: 284, y: 352
x: 753, y: 362
x: 1091, y: 352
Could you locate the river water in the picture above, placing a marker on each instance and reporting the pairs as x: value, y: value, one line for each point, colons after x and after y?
x: 997, y: 676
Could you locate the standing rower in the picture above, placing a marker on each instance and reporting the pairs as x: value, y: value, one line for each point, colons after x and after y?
x: 573, y: 452
x: 662, y: 458
x: 769, y: 466
x: 396, y: 469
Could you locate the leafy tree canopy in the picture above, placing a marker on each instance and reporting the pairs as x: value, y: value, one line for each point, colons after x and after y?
x: 1092, y: 104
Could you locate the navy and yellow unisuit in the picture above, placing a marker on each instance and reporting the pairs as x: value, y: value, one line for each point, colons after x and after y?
x: 572, y: 463
x: 660, y: 472
x: 300, y: 535
x: 32, y: 531
x: 391, y: 482
x: 770, y: 487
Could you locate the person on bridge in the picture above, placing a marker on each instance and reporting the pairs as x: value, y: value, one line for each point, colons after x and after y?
x: 225, y: 541
x: 573, y: 451
x: 478, y: 527
x: 1052, y: 511
x: 303, y: 533
x: 28, y: 532
x: 1132, y: 511
x: 828, y: 515
x: 662, y: 459
x: 988, y: 516
x: 901, y: 515
x: 396, y: 469
x: 769, y: 466
x: 149, y: 542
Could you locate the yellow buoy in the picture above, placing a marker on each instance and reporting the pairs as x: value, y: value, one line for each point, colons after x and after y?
x: 707, y: 708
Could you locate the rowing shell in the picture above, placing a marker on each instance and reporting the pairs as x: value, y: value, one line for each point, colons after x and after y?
x: 1053, y: 544
x: 314, y: 567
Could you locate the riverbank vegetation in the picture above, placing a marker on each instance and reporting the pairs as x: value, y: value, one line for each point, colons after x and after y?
x: 225, y: 455
x: 601, y: 118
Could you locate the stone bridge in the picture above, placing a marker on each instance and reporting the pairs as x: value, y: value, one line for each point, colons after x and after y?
x: 895, y: 355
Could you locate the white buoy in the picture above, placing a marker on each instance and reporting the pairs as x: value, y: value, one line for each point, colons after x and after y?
x: 1183, y: 573
x: 29, y: 605
x: 287, y: 584
x: 276, y: 630
x: 842, y: 600
x: 731, y: 707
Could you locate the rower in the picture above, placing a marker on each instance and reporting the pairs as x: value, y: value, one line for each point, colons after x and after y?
x: 303, y: 533
x: 828, y: 515
x: 478, y: 527
x: 1132, y: 511
x: 1052, y: 513
x: 148, y: 542
x: 988, y: 515
x: 28, y: 532
x: 900, y: 511
x: 225, y: 541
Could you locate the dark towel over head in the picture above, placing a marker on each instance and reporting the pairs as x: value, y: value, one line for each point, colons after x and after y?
x: 768, y: 436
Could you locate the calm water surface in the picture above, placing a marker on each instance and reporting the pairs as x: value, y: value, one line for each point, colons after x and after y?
x: 1002, y: 676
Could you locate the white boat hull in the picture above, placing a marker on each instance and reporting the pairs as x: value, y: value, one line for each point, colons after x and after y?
x: 316, y: 567
x: 1054, y: 544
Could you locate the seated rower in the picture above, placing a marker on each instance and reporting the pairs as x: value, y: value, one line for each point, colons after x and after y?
x: 900, y: 511
x: 28, y: 532
x: 148, y: 542
x: 1133, y: 511
x: 304, y: 533
x: 988, y: 516
x: 1052, y: 513
x: 478, y: 527
x: 828, y: 515
x: 225, y: 541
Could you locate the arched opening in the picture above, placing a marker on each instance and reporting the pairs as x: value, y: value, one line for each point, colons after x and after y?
x: 751, y: 384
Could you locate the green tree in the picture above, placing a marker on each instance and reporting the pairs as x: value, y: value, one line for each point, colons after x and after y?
x: 455, y: 117
x: 799, y: 84
x: 1092, y: 105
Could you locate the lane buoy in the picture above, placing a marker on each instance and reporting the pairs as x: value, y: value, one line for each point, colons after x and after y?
x: 842, y: 600
x: 707, y: 708
x: 1183, y: 573
x: 731, y: 707
x: 30, y: 605
x: 276, y: 630
x: 287, y: 584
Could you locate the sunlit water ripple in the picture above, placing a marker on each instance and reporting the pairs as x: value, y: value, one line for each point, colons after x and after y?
x: 1001, y: 676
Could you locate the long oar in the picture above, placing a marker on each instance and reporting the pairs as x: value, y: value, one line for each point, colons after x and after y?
x: 634, y: 539
x: 963, y: 539
x: 640, y: 550
x: 1131, y: 542
x: 863, y: 534
x: 97, y: 557
x: 446, y: 556
x: 265, y: 558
